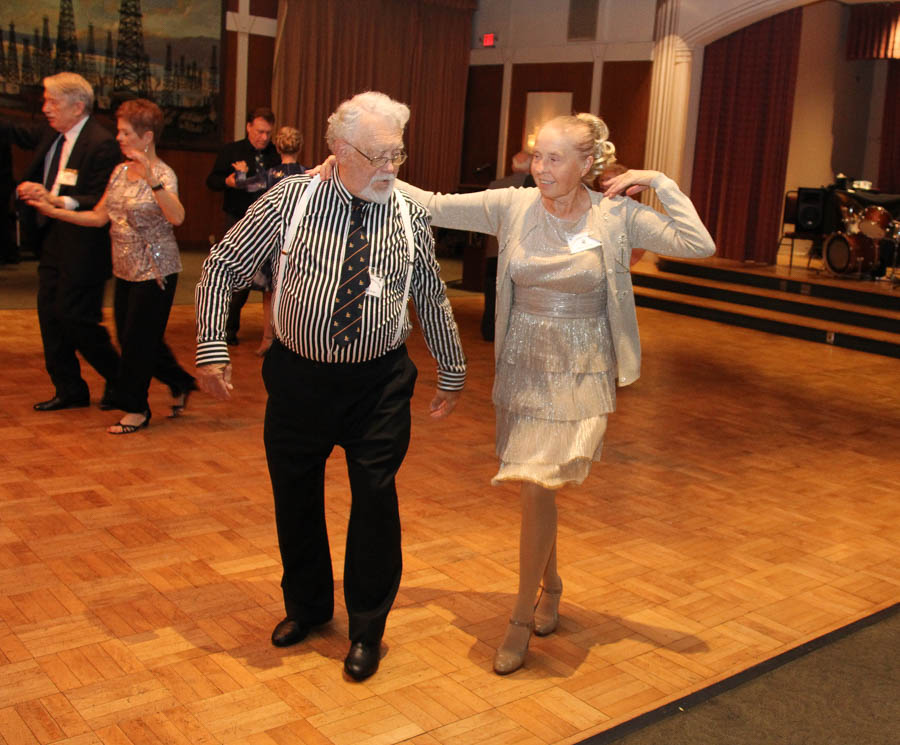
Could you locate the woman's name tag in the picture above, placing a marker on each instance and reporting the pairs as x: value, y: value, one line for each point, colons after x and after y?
x: 582, y: 242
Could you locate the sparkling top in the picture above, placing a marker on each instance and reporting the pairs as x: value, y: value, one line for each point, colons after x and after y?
x: 567, y: 284
x: 559, y: 319
x: 143, y: 240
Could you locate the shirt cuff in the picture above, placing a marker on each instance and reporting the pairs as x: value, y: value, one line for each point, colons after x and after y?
x: 449, y: 380
x: 69, y: 203
x: 212, y: 353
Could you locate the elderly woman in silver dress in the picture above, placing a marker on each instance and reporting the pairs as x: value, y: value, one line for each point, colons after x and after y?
x: 141, y: 206
x: 565, y: 330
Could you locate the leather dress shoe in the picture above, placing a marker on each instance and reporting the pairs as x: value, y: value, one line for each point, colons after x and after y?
x: 362, y: 660
x: 63, y: 402
x: 289, y: 632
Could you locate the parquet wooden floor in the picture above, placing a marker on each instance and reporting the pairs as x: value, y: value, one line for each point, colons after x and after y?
x: 746, y: 502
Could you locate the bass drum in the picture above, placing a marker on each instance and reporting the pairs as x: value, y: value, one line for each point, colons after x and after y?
x: 849, y: 254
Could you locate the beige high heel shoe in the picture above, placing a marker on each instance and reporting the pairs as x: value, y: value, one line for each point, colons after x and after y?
x: 507, y: 661
x: 546, y: 612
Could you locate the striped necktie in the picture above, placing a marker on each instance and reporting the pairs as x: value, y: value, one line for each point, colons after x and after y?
x: 346, y: 318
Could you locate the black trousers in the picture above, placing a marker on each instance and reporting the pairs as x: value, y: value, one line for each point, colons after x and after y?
x: 235, y: 306
x: 490, y: 298
x: 142, y: 311
x: 70, y: 315
x: 364, y: 408
x: 238, y: 297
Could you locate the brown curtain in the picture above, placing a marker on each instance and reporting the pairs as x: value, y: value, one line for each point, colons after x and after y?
x: 889, y: 163
x: 416, y: 51
x: 872, y: 31
x: 743, y: 135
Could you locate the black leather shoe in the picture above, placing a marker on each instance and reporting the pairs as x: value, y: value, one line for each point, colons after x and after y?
x: 62, y: 402
x: 289, y: 632
x: 362, y: 660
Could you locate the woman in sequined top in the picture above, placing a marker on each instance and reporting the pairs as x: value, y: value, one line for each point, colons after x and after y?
x: 565, y: 328
x: 141, y: 206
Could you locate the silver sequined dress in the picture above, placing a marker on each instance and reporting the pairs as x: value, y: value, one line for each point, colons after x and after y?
x: 143, y: 241
x: 555, y: 375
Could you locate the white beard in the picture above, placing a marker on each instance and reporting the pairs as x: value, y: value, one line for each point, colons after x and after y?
x: 382, y: 196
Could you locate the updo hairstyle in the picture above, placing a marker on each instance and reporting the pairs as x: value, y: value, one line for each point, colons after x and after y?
x: 590, y: 137
x: 288, y: 141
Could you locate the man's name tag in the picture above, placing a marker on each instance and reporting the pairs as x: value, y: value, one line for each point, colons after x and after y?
x: 582, y: 242
x: 376, y: 285
x: 68, y: 177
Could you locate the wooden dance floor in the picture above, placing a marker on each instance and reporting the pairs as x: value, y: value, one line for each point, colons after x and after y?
x: 746, y: 503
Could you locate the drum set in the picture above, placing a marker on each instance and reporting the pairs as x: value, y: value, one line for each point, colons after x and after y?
x: 867, y: 243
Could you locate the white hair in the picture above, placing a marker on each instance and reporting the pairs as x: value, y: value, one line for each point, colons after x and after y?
x: 343, y: 122
x: 72, y: 87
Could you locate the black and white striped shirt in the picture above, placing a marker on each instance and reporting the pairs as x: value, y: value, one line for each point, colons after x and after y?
x: 312, y: 275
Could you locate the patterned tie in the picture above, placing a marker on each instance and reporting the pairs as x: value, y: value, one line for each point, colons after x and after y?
x: 346, y: 319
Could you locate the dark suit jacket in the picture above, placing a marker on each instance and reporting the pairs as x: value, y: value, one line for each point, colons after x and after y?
x: 20, y: 135
x: 83, y: 254
x: 238, y: 201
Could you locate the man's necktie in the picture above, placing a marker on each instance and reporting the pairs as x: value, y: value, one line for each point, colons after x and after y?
x: 346, y: 318
x: 50, y: 176
x: 53, y: 170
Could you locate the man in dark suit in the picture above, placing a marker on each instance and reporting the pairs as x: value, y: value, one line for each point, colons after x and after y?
x: 253, y: 155
x: 71, y: 168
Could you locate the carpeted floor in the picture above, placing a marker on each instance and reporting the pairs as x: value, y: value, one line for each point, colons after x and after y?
x: 841, y: 690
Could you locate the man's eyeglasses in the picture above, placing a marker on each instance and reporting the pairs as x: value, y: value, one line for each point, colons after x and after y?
x: 398, y: 157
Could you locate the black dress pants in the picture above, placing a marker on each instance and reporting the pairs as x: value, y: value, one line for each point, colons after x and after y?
x: 235, y: 306
x: 364, y: 408
x: 142, y: 312
x: 70, y: 314
x: 238, y: 297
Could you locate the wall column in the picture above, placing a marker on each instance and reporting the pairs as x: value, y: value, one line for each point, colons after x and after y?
x: 245, y: 24
x: 670, y: 90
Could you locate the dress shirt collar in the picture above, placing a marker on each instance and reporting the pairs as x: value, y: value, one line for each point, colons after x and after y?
x: 72, y: 133
x: 345, y: 196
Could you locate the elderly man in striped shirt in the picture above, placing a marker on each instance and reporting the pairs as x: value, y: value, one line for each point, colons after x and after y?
x: 346, y: 254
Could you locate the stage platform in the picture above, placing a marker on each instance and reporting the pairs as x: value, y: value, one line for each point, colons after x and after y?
x: 801, y: 302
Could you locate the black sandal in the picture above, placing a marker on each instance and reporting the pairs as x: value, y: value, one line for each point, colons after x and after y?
x: 178, y: 408
x: 127, y: 429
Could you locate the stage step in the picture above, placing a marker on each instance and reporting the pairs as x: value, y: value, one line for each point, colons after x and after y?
x: 812, y: 282
x: 749, y: 299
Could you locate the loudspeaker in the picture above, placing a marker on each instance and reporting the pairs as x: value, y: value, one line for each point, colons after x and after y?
x: 810, y: 209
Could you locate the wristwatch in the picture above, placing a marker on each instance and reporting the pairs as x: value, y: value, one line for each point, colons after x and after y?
x: 158, y: 187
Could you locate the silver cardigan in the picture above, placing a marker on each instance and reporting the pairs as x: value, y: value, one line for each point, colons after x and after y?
x: 618, y: 223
